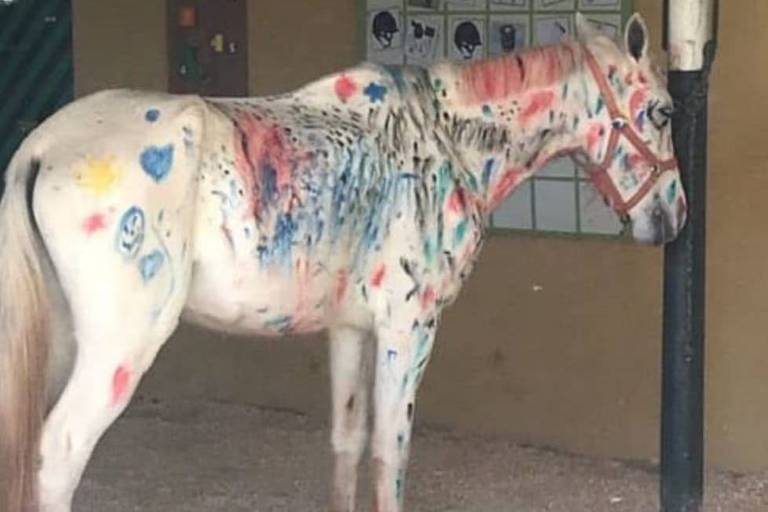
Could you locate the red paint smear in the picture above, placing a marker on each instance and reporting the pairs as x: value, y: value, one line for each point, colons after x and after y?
x: 120, y: 381
x: 539, y: 102
x: 341, y: 285
x: 258, y: 145
x: 428, y: 297
x: 510, y: 180
x: 593, y: 137
x: 637, y: 99
x: 94, y: 223
x: 642, y: 78
x: 456, y: 201
x: 345, y: 88
x: 497, y: 79
x: 378, y: 276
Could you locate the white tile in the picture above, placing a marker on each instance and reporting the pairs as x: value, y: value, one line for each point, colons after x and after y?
x: 596, y: 217
x: 515, y: 212
x: 385, y: 36
x: 466, y: 37
x: 558, y: 168
x: 551, y: 28
x: 508, y: 32
x: 424, y: 5
x: 466, y: 5
x: 608, y: 24
x: 424, y: 39
x: 509, y: 5
x: 555, y: 5
x: 555, y: 205
x: 602, y: 5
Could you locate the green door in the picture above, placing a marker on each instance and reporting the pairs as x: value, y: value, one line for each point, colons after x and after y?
x: 36, y: 75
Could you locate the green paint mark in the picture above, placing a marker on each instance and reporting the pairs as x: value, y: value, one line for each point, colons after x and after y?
x: 429, y: 250
x: 600, y: 105
x: 459, y: 232
x: 672, y: 192
x: 487, y: 111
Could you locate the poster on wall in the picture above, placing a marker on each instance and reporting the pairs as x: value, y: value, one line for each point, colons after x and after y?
x: 508, y: 33
x: 424, y: 40
x: 608, y: 24
x: 385, y: 36
x: 467, y: 37
x: 551, y: 29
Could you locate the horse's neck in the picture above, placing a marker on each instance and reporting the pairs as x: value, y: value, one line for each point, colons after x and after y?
x: 508, y: 116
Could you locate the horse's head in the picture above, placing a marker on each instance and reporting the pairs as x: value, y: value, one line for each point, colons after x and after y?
x: 627, y: 142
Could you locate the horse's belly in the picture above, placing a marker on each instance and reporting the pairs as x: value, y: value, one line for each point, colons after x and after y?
x: 232, y: 299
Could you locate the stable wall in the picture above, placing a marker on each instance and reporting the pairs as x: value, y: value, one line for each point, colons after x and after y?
x: 553, y: 341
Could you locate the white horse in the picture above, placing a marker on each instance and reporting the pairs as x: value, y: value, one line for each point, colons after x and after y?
x: 355, y: 205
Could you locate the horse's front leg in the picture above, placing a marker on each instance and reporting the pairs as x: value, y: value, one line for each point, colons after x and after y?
x: 402, y: 353
x: 349, y: 387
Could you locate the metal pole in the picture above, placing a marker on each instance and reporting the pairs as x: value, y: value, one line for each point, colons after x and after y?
x: 690, y: 41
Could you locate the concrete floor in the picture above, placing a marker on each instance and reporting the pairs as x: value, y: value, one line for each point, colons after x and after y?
x: 203, y: 456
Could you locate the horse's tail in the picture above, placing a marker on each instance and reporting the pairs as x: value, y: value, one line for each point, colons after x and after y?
x: 24, y: 322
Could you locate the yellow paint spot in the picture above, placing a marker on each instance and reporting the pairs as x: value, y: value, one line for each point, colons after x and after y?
x: 98, y: 175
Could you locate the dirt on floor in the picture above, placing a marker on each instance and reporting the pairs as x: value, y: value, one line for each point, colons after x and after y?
x: 204, y: 457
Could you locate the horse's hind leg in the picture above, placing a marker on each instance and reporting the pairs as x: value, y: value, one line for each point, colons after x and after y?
x: 124, y: 306
x: 113, y: 354
x: 349, y: 387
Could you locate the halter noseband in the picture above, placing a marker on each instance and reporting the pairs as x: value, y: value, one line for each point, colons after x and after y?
x: 620, y: 125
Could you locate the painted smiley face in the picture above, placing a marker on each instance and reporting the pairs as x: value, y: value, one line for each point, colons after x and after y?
x: 130, y: 234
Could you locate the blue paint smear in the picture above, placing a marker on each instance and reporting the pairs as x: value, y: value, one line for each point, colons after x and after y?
x: 152, y: 115
x: 269, y: 177
x: 130, y: 232
x: 280, y: 324
x: 487, y: 171
x: 282, y: 240
x: 375, y: 92
x: 150, y: 264
x: 157, y: 161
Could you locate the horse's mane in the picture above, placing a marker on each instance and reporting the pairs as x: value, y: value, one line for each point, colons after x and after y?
x: 497, y: 78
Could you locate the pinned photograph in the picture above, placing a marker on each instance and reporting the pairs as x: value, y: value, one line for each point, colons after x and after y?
x: 424, y: 40
x: 607, y: 5
x: 555, y: 5
x: 509, y: 5
x: 467, y: 37
x: 508, y: 33
x: 551, y: 29
x: 385, y: 36
x: 608, y: 24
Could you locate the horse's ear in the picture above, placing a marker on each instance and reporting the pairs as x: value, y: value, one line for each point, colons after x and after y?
x: 584, y: 29
x: 636, y: 37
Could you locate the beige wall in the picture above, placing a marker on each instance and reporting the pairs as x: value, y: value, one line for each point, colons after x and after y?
x: 573, y: 365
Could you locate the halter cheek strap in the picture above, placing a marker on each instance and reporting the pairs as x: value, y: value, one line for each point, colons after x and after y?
x: 620, y: 127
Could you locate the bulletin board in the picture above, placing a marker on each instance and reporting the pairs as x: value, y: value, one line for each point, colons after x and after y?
x: 420, y: 32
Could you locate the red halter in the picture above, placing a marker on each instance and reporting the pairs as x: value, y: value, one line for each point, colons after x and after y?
x: 620, y: 125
